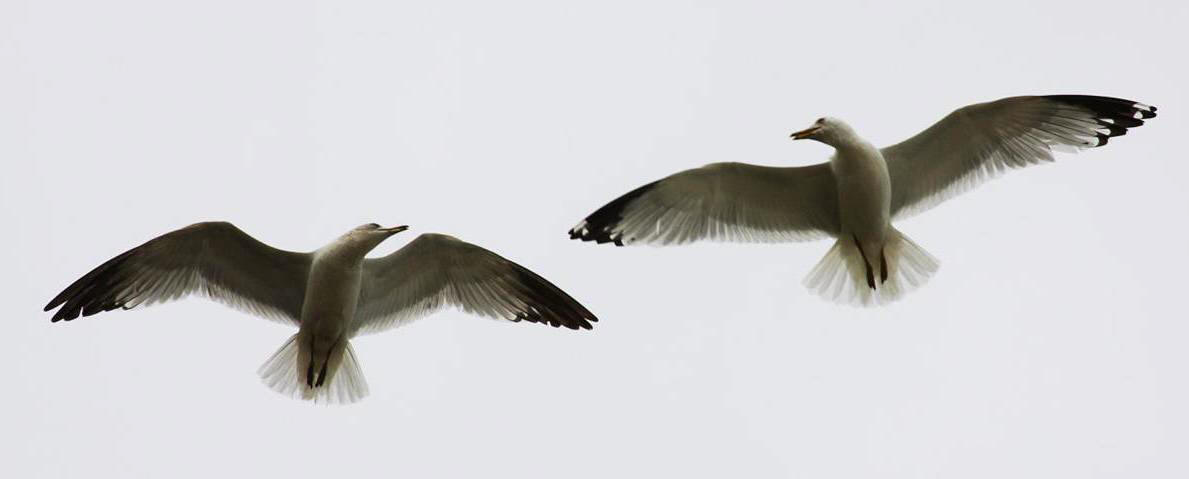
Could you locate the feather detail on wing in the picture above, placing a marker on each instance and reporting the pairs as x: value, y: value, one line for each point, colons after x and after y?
x: 981, y: 141
x: 437, y: 270
x: 214, y: 259
x: 722, y: 202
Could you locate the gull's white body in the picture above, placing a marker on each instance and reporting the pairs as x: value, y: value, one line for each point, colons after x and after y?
x: 871, y: 262
x: 864, y: 190
x: 856, y: 195
x: 332, y: 294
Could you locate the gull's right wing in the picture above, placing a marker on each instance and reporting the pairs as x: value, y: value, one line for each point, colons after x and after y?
x: 723, y: 202
x: 214, y: 259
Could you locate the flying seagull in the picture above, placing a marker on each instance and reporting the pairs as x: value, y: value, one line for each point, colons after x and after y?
x: 331, y: 295
x: 861, y: 190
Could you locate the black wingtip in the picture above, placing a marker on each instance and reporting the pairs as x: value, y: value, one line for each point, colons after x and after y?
x: 548, y: 304
x: 92, y: 293
x: 1114, y: 115
x: 600, y: 226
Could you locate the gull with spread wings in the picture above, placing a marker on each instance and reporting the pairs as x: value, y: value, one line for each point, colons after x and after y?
x: 331, y: 295
x: 856, y: 195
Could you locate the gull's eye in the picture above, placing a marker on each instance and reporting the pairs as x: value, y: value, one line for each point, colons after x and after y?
x: 821, y: 120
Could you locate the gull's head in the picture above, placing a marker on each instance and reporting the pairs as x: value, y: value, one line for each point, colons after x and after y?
x: 371, y: 235
x: 376, y: 228
x: 373, y: 230
x: 827, y: 130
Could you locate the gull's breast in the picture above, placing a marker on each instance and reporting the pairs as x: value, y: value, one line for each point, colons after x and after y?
x: 332, y: 294
x: 864, y: 190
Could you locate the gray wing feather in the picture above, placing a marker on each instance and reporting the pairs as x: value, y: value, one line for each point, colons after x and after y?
x: 721, y: 202
x: 981, y: 141
x: 437, y: 270
x: 214, y: 259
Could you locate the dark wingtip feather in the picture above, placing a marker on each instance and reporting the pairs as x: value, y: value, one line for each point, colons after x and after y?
x: 599, y: 226
x: 1115, y: 115
x: 551, y: 305
x: 93, y: 293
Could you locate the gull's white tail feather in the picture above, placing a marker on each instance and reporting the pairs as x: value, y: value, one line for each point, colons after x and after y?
x: 345, y: 383
x: 841, y: 275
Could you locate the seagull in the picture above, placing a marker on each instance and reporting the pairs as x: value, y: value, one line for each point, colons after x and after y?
x: 331, y: 295
x: 857, y: 194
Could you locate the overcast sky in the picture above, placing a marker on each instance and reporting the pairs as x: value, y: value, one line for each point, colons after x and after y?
x: 1052, y: 342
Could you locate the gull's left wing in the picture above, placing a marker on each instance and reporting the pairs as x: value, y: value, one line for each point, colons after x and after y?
x: 981, y: 141
x: 437, y: 270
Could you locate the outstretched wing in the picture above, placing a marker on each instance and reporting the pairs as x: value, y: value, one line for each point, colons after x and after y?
x: 437, y: 270
x: 981, y: 141
x: 722, y: 202
x: 215, y: 259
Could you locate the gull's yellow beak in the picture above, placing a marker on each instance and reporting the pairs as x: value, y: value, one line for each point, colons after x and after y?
x: 806, y: 133
x: 395, y: 229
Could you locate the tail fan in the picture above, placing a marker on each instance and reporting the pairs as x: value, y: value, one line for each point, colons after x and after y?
x: 845, y: 277
x: 344, y: 383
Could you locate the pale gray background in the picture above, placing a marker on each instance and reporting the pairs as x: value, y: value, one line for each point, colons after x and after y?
x: 1052, y: 343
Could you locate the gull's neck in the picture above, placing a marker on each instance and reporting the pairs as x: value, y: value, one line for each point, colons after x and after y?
x: 847, y: 141
x: 854, y: 156
x: 350, y: 248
